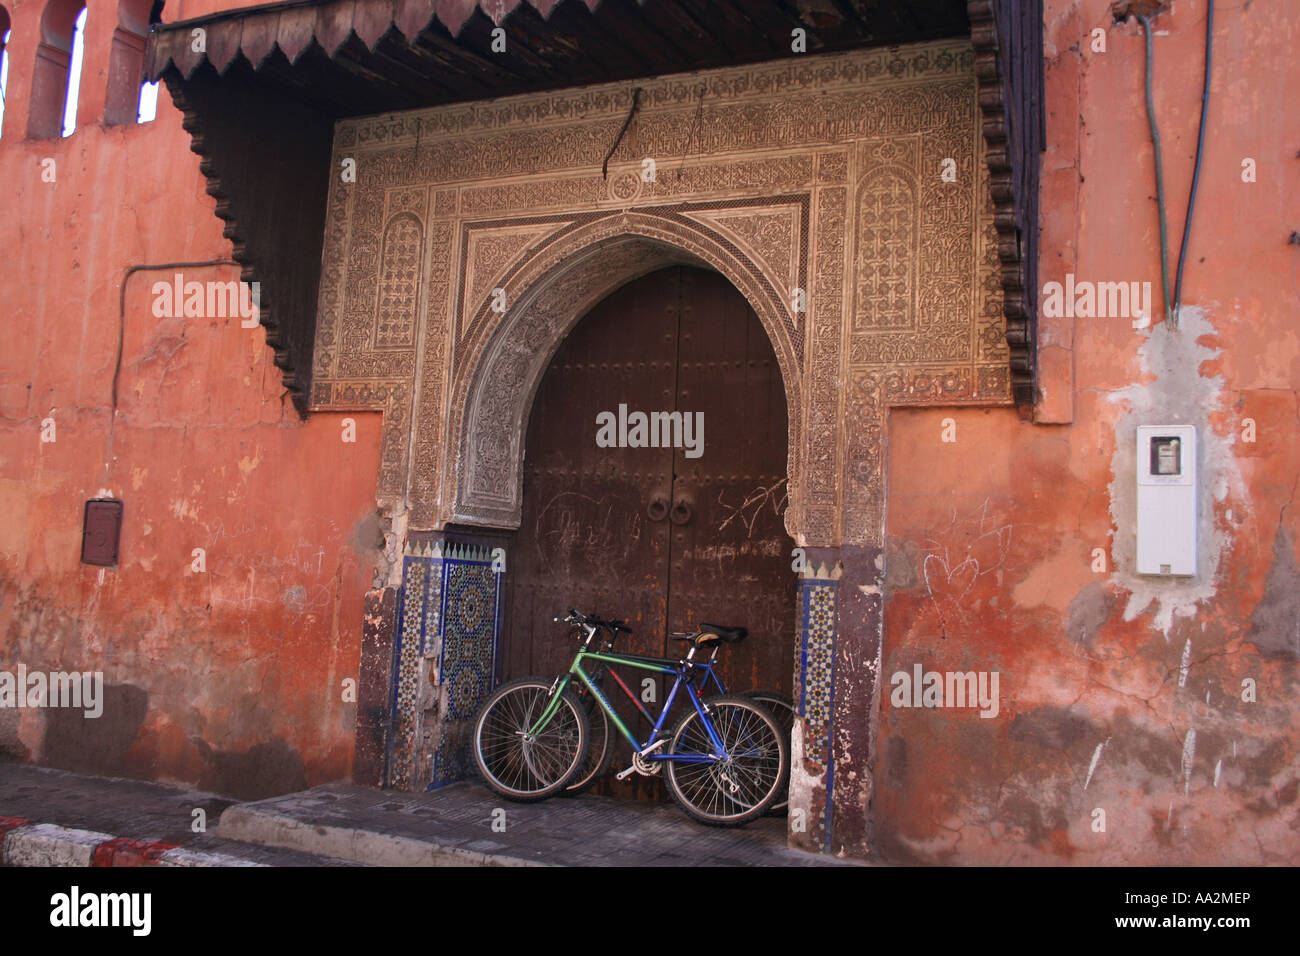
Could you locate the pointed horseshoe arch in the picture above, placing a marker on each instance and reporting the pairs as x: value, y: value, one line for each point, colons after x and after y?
x: 547, y: 294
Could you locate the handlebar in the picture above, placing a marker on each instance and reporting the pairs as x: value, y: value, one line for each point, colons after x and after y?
x: 573, y: 617
x: 591, y: 620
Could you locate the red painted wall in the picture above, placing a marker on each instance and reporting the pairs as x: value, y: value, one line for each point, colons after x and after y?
x: 231, y: 678
x: 1118, y: 694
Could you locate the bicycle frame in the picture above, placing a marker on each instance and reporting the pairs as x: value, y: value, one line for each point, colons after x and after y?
x: 683, y: 672
x: 704, y: 669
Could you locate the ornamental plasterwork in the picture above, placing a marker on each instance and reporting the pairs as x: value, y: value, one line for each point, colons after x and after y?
x: 844, y: 195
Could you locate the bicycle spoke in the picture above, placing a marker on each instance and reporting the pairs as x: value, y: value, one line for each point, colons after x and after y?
x: 741, y: 783
x: 780, y: 708
x: 519, y: 765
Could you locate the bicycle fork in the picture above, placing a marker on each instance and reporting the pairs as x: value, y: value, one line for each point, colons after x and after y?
x: 554, y: 695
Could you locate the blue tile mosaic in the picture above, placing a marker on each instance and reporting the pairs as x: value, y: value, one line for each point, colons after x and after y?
x: 448, y: 632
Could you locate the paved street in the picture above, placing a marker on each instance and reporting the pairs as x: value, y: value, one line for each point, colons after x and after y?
x: 341, y: 824
x: 126, y: 809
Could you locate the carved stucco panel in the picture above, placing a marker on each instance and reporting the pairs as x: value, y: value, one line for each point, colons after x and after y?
x: 771, y: 239
x: 435, y: 356
x: 507, y: 239
x: 822, y: 409
x: 401, y: 265
x: 845, y: 201
x: 924, y: 292
x: 492, y: 390
x: 338, y: 223
x: 489, y: 251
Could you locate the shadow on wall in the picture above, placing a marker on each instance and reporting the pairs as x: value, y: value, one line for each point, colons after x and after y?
x: 11, y: 747
x: 109, y: 746
x: 99, y: 745
x: 264, y: 770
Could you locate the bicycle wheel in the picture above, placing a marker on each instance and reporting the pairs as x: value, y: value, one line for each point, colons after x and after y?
x: 598, y: 753
x: 742, y: 785
x: 780, y: 707
x: 519, y: 767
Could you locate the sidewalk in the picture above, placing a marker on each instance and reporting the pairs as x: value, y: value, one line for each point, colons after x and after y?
x: 466, y: 824
x: 51, y: 817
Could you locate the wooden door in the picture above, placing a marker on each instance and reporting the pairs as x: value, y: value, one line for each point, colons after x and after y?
x: 664, y: 537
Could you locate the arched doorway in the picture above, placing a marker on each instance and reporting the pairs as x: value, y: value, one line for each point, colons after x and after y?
x: 664, y: 537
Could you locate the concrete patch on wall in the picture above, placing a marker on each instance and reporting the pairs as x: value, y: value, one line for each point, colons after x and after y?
x: 1275, y: 624
x: 1178, y: 395
x: 806, y: 789
x: 1089, y: 611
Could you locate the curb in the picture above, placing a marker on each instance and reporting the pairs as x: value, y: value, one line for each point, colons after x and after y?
x: 25, y: 843
x: 184, y: 857
x: 47, y: 844
x: 249, y: 825
x: 124, y: 852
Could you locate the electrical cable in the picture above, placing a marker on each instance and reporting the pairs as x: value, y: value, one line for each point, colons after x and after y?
x: 1160, y: 179
x: 1295, y: 264
x: 121, y: 304
x: 1200, y: 146
x: 121, y: 334
x: 636, y: 103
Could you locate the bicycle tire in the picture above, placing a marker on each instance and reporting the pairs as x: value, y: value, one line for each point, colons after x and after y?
x: 518, y: 769
x: 732, y: 793
x: 599, y: 752
x: 782, y: 708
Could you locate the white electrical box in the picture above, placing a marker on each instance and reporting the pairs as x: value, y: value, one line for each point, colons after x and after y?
x: 1166, y: 499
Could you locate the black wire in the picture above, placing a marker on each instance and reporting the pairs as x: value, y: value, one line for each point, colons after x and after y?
x: 1160, y: 179
x: 1200, y: 146
x: 1295, y: 287
x: 121, y: 335
x: 121, y: 304
x: 636, y: 101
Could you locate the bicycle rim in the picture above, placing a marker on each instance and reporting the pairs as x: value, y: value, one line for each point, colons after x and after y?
x: 515, y: 765
x: 742, y: 785
x: 782, y: 711
x: 598, y: 751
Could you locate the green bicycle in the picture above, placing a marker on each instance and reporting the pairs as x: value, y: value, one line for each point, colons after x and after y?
x: 725, y: 762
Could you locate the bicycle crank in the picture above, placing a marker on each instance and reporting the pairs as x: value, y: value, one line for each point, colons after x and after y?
x: 646, y: 768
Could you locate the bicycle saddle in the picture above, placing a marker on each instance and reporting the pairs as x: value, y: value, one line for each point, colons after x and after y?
x: 710, y: 634
x: 732, y: 635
